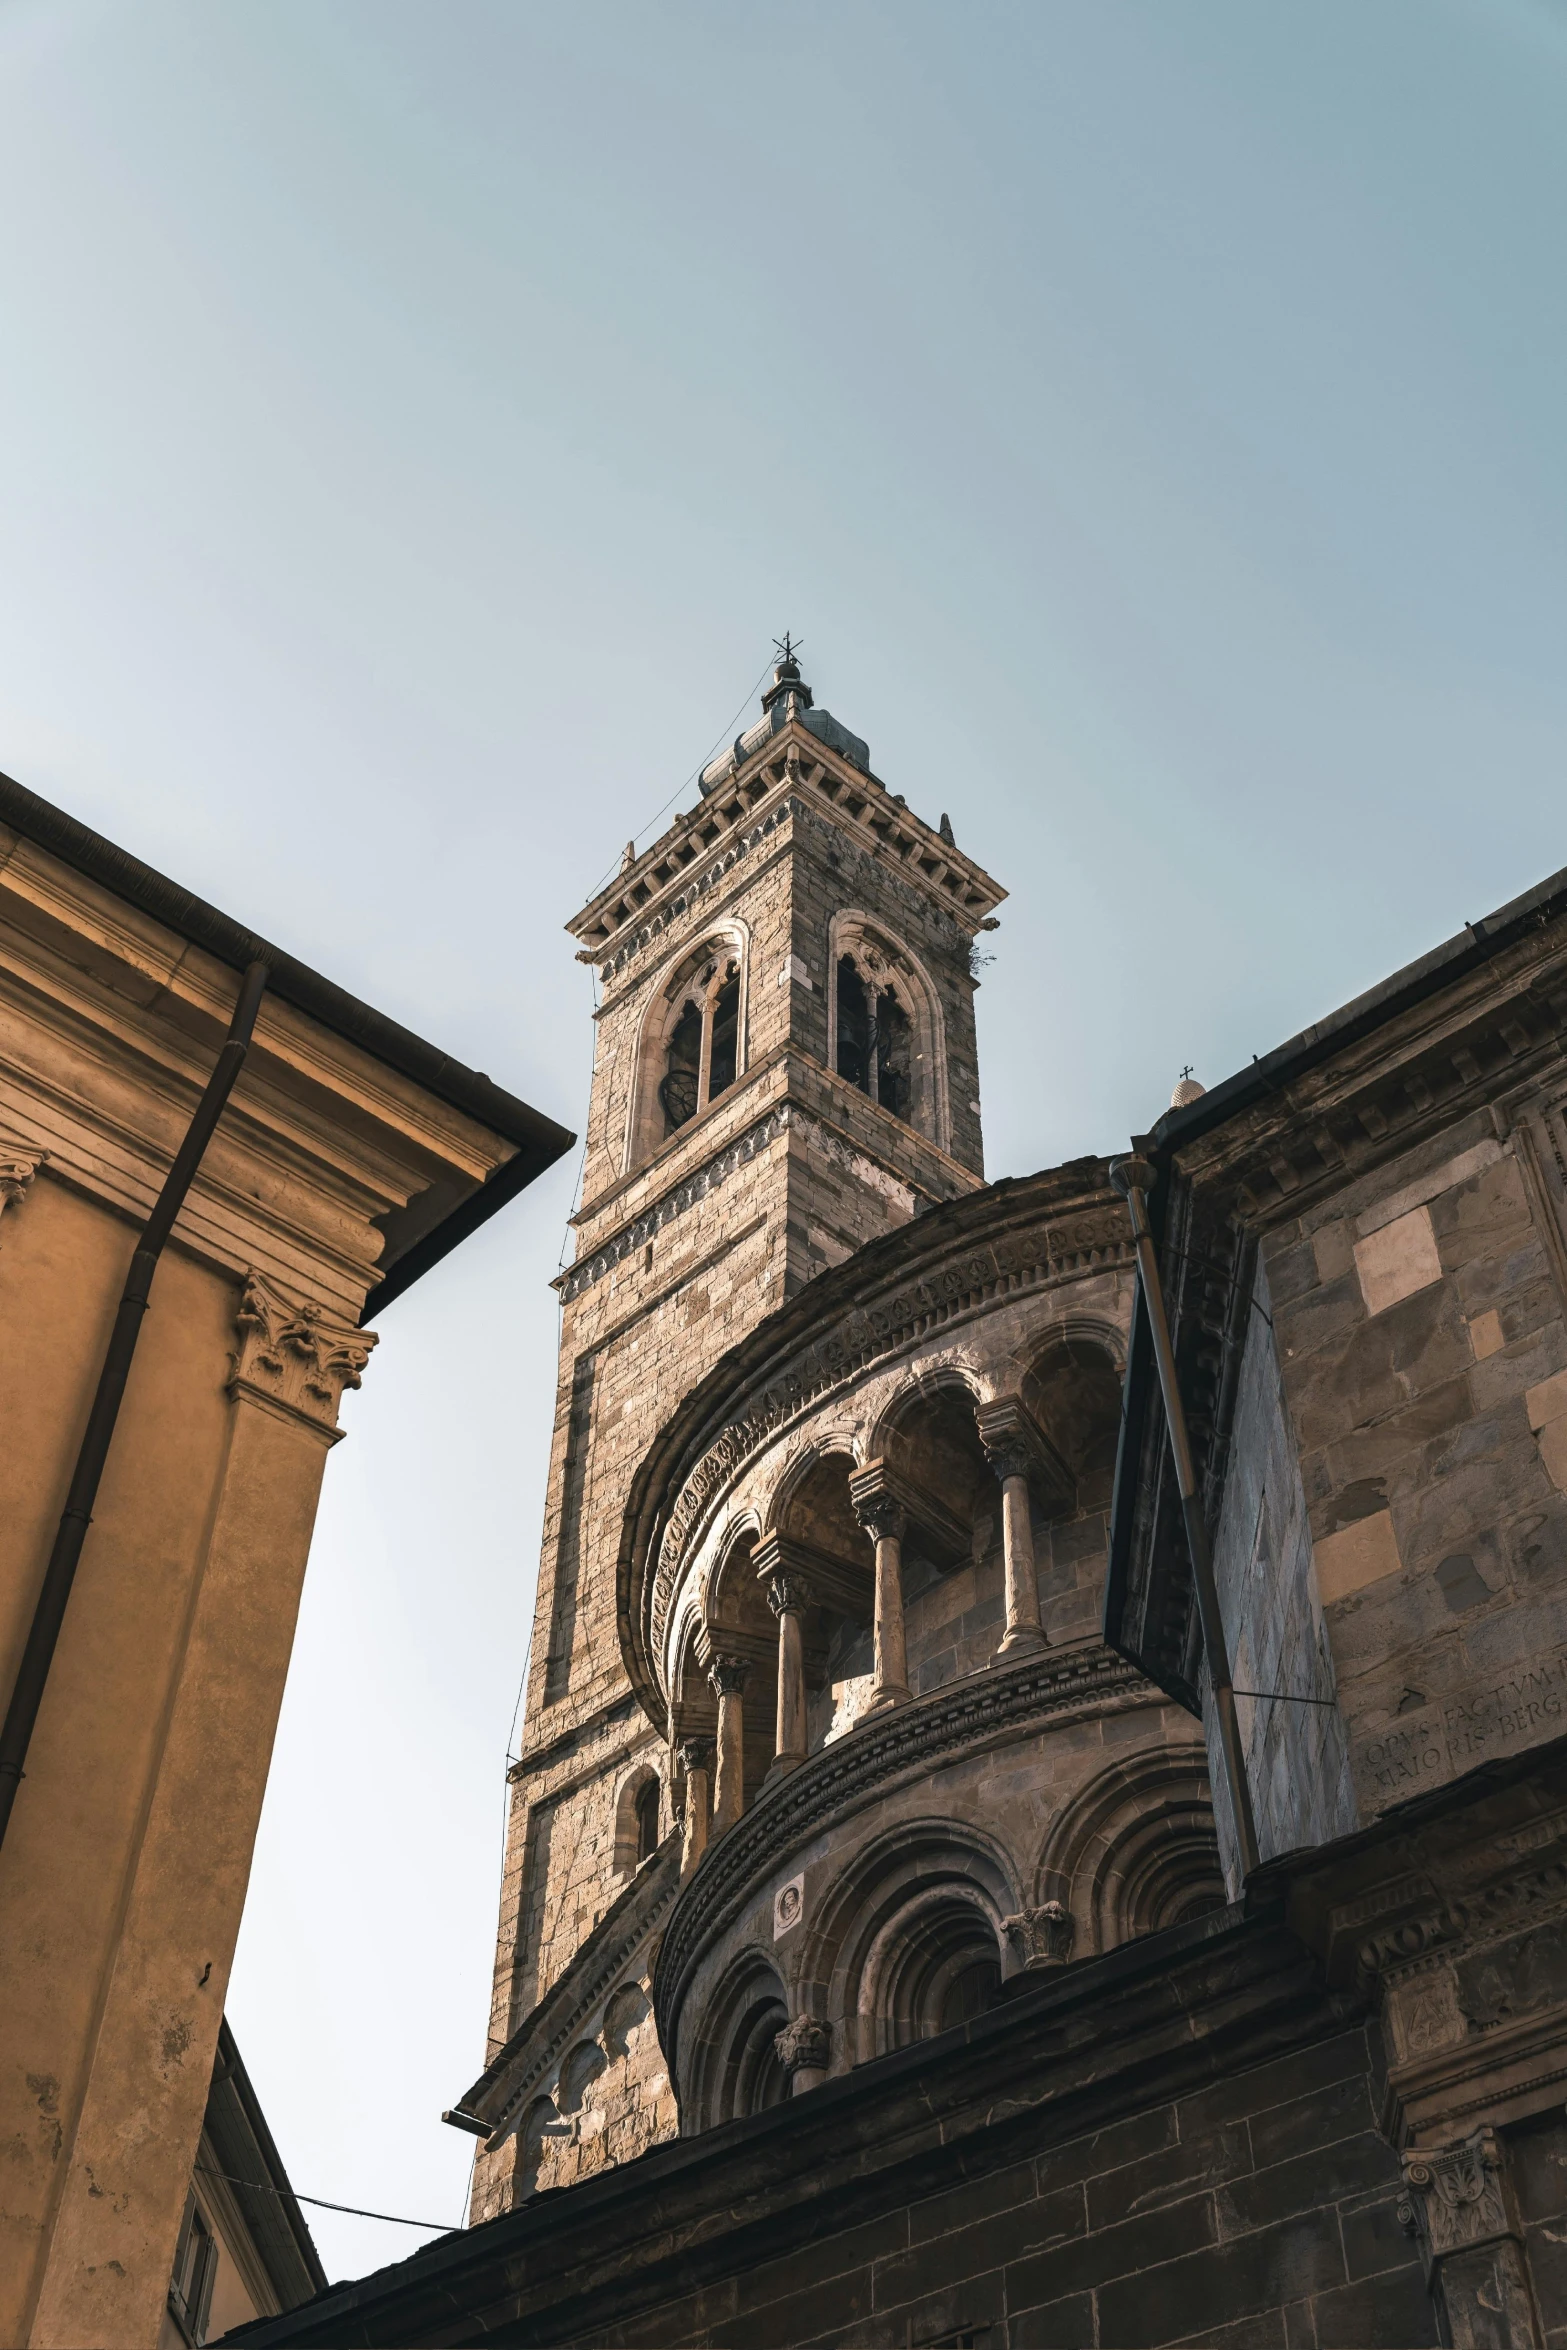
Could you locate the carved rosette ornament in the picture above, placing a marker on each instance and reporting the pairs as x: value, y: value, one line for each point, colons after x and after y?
x: 1041, y: 1937
x: 294, y: 1358
x: 804, y: 2046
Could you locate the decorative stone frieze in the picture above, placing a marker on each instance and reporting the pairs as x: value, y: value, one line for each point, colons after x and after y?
x: 1041, y: 1937
x: 293, y: 1357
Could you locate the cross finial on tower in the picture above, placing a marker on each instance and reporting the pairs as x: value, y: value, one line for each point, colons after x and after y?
x: 787, y: 646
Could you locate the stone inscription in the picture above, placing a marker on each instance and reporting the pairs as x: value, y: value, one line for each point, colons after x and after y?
x: 1442, y: 1740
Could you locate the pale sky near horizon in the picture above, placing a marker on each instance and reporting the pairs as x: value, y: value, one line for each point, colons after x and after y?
x: 417, y: 419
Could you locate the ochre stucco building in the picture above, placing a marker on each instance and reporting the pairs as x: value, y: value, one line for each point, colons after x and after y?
x: 350, y: 1157
x: 877, y: 1963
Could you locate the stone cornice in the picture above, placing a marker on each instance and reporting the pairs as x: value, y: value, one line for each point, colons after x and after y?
x: 696, y: 851
x: 536, y: 2047
x: 1016, y: 1238
x: 877, y: 1756
x: 738, y: 1149
x: 329, y: 1164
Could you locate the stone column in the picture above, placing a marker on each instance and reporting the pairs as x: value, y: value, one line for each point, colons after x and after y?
x: 1457, y: 2202
x: 788, y: 1598
x: 727, y: 1677
x: 696, y: 1755
x: 884, y: 1520
x: 803, y: 2047
x: 1024, y: 1634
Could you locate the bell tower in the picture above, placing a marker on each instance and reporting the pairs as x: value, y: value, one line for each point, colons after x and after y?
x: 784, y: 1069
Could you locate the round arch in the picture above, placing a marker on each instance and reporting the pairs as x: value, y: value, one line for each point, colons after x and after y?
x: 900, y: 1944
x: 901, y: 1057
x: 735, y: 2065
x: 1135, y: 1850
x: 709, y: 982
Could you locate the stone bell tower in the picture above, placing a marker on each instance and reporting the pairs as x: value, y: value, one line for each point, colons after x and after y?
x: 784, y: 1070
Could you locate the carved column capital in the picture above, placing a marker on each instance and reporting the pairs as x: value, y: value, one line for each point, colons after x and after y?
x: 294, y: 1358
x: 727, y: 1675
x: 1456, y: 2196
x: 18, y: 1165
x: 881, y: 1513
x: 804, y: 2045
x: 1041, y: 1937
x: 696, y: 1754
x: 788, y: 1593
x: 1016, y: 1446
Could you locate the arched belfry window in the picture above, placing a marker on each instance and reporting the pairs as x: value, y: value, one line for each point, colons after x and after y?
x: 886, y: 1027
x: 647, y: 1822
x: 693, y: 1045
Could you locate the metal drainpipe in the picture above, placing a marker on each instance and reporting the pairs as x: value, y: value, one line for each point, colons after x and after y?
x: 76, y: 1517
x: 1132, y: 1177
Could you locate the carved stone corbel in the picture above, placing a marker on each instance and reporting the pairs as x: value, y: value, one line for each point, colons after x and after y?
x: 1041, y: 1937
x: 1458, y: 2204
x: 293, y: 1358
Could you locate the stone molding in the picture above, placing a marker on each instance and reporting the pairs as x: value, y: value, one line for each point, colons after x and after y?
x: 881, y: 1753
x: 767, y: 774
x: 535, y: 2049
x: 1082, y: 1241
x: 685, y: 1194
x: 1460, y: 1953
x: 1041, y: 1937
x: 295, y: 1359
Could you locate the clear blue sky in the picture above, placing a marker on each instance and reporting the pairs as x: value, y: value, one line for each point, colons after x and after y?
x: 415, y: 422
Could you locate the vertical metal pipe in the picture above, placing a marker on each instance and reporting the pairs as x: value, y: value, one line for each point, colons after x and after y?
x: 49, y: 1612
x: 1133, y: 1177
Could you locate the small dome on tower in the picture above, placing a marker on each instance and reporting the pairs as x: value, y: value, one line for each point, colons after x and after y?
x: 788, y: 697
x: 1187, y: 1091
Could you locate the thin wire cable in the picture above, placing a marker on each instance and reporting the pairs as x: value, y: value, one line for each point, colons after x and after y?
x: 441, y: 2227
x: 694, y: 776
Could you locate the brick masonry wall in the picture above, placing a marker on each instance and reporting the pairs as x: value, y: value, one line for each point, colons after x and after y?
x: 1257, y: 2214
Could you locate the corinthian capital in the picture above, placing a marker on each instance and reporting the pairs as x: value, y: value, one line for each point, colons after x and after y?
x: 804, y: 2045
x: 1455, y: 2196
x: 293, y: 1357
x: 1041, y: 1937
x: 727, y: 1675
x: 877, y: 1504
x: 19, y: 1163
